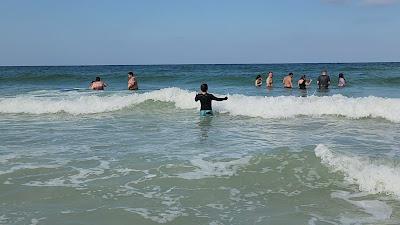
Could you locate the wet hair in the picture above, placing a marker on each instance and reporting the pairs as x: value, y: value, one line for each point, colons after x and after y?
x: 204, y: 87
x: 290, y: 74
x: 303, y: 77
x: 258, y: 76
x: 341, y: 75
x: 97, y: 78
x: 130, y: 73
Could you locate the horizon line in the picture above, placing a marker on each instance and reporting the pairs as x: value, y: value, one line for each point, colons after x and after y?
x: 177, y: 64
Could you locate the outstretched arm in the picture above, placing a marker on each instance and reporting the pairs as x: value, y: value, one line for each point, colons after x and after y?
x: 218, y: 99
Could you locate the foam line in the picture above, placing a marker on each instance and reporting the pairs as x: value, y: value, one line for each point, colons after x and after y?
x: 252, y: 106
x: 371, y: 177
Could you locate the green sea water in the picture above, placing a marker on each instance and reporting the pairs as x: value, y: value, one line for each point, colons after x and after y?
x: 268, y: 156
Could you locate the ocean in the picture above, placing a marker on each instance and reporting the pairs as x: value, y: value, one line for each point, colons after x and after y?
x: 69, y: 155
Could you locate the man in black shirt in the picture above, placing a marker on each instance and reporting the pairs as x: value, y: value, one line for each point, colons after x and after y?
x: 324, y: 80
x: 205, y: 100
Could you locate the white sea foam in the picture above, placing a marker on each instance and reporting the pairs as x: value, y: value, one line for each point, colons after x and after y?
x: 35, y: 221
x: 253, y: 106
x: 370, y: 176
x: 206, y: 169
x: 89, y: 104
x: 77, y: 180
x: 291, y: 106
x: 163, y: 217
x: 378, y: 210
x: 6, y: 158
x: 3, y: 219
x: 28, y: 166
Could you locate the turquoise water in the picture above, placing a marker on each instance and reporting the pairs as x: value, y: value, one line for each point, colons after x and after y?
x: 69, y: 155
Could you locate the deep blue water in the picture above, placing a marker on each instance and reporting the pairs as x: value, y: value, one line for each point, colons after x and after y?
x: 364, y: 79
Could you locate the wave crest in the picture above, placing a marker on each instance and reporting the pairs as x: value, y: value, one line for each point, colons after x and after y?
x: 78, y: 104
x: 253, y: 106
x: 370, y: 176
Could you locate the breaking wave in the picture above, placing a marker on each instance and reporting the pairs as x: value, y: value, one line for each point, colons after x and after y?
x: 370, y: 176
x: 253, y: 106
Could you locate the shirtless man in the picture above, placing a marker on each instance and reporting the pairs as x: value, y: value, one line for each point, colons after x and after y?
x: 132, y: 82
x: 269, y: 80
x: 287, y: 81
x: 97, y: 84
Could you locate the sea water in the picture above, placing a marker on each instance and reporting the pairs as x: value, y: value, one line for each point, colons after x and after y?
x: 69, y: 155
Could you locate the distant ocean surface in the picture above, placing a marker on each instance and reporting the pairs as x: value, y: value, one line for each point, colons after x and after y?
x: 69, y: 155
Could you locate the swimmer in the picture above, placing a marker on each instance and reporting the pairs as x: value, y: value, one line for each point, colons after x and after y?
x: 303, y: 82
x: 97, y: 84
x: 287, y: 81
x: 308, y: 84
x: 205, y: 100
x: 269, y: 80
x: 324, y: 80
x: 258, y: 81
x: 341, y: 80
x: 132, y: 82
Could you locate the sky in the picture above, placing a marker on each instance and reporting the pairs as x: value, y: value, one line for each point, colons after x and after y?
x: 122, y: 32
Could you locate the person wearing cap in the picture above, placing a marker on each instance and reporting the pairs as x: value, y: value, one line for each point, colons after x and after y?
x: 324, y: 80
x: 97, y: 84
x: 287, y: 81
x: 205, y: 99
x: 269, y: 80
x: 132, y: 82
x: 341, y: 80
x: 258, y: 81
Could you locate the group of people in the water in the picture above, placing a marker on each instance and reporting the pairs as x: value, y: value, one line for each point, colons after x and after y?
x: 323, y: 81
x: 206, y: 98
x: 98, y: 84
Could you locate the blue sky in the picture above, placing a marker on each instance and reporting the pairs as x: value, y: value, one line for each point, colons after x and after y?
x: 85, y: 32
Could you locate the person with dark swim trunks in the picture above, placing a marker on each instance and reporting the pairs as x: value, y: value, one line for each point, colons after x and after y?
x: 287, y: 81
x: 205, y: 100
